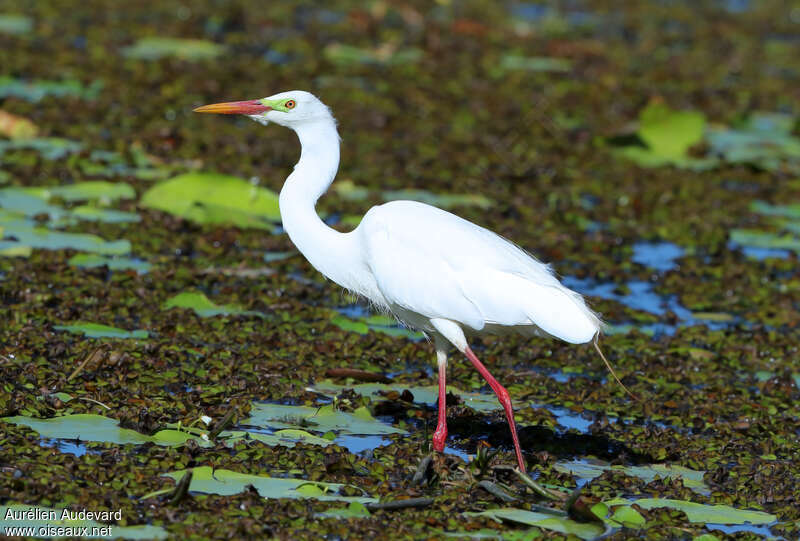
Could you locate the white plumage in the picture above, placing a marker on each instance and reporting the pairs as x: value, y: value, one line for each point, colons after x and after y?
x: 433, y: 270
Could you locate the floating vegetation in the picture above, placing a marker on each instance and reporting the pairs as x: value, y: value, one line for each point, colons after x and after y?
x: 544, y: 521
x: 15, y: 24
x: 785, y: 222
x: 322, y: 419
x: 703, y: 513
x: 512, y: 62
x: 356, y: 319
x: 203, y: 307
x: 666, y: 136
x: 212, y: 198
x: 46, y: 239
x: 424, y: 395
x: 50, y: 148
x: 109, y: 216
x: 97, y: 428
x: 227, y: 483
x: 90, y: 261
x: 97, y: 330
x: 36, y: 90
x: 446, y: 201
x: 593, y: 468
x: 154, y: 48
x: 387, y: 54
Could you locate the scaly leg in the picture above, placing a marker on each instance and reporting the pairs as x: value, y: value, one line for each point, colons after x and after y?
x: 502, y: 396
x: 440, y: 435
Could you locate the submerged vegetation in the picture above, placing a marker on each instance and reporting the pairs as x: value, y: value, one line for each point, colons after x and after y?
x: 164, y: 351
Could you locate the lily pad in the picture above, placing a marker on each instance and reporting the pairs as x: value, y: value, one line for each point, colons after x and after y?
x: 40, y: 237
x: 89, y: 261
x: 287, y: 437
x: 46, y: 520
x: 213, y: 198
x: 386, y: 55
x: 96, y: 330
x: 667, y: 135
x: 764, y: 239
x: 764, y: 140
x: 322, y: 419
x: 227, y: 483
x: 90, y: 427
x: 15, y: 24
x: 203, y: 307
x: 38, y: 89
x: 590, y: 469
x: 545, y: 521
x: 711, y: 514
x: 670, y: 133
x: 50, y: 148
x: 94, y: 214
x: 154, y: 47
x: 512, y: 62
x: 426, y: 395
x: 101, y: 190
x: 445, y: 201
x: 354, y: 510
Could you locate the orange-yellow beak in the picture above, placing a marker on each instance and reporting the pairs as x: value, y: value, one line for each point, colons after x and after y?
x: 249, y: 107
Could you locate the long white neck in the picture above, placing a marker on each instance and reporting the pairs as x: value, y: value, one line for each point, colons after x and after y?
x: 332, y: 253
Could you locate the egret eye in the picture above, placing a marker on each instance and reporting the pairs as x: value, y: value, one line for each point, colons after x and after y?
x: 290, y: 104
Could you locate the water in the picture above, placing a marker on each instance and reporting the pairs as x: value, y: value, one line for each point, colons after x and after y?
x: 642, y: 297
x: 358, y: 444
x: 760, y: 529
x: 67, y: 446
x: 567, y: 418
x: 660, y: 256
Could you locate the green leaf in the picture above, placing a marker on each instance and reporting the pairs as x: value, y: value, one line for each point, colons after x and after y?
x: 36, y: 90
x: 144, y: 531
x: 512, y: 62
x: 15, y: 24
x: 426, y: 395
x: 587, y: 469
x: 203, y: 307
x: 347, y: 55
x: 712, y: 514
x: 287, y: 437
x: 541, y: 520
x: 318, y: 420
x: 351, y: 325
x: 94, y: 214
x: 670, y: 133
x: 114, y: 263
x: 354, y: 510
x: 445, y: 201
x: 763, y: 239
x: 212, y: 198
x: 91, y: 427
x: 153, y: 48
x: 628, y: 517
x: 94, y: 189
x: 55, y: 240
x: 227, y: 483
x: 96, y: 330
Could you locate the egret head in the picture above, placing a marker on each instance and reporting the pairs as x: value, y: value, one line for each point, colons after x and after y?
x: 291, y: 109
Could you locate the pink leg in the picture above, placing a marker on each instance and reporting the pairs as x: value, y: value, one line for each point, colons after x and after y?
x: 440, y: 435
x: 505, y: 401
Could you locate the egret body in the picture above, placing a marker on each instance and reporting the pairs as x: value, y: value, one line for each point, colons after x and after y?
x: 432, y: 270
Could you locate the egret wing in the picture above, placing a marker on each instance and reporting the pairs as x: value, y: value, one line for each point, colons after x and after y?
x: 438, y: 265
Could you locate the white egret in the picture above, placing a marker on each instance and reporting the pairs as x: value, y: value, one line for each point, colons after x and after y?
x: 432, y: 270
